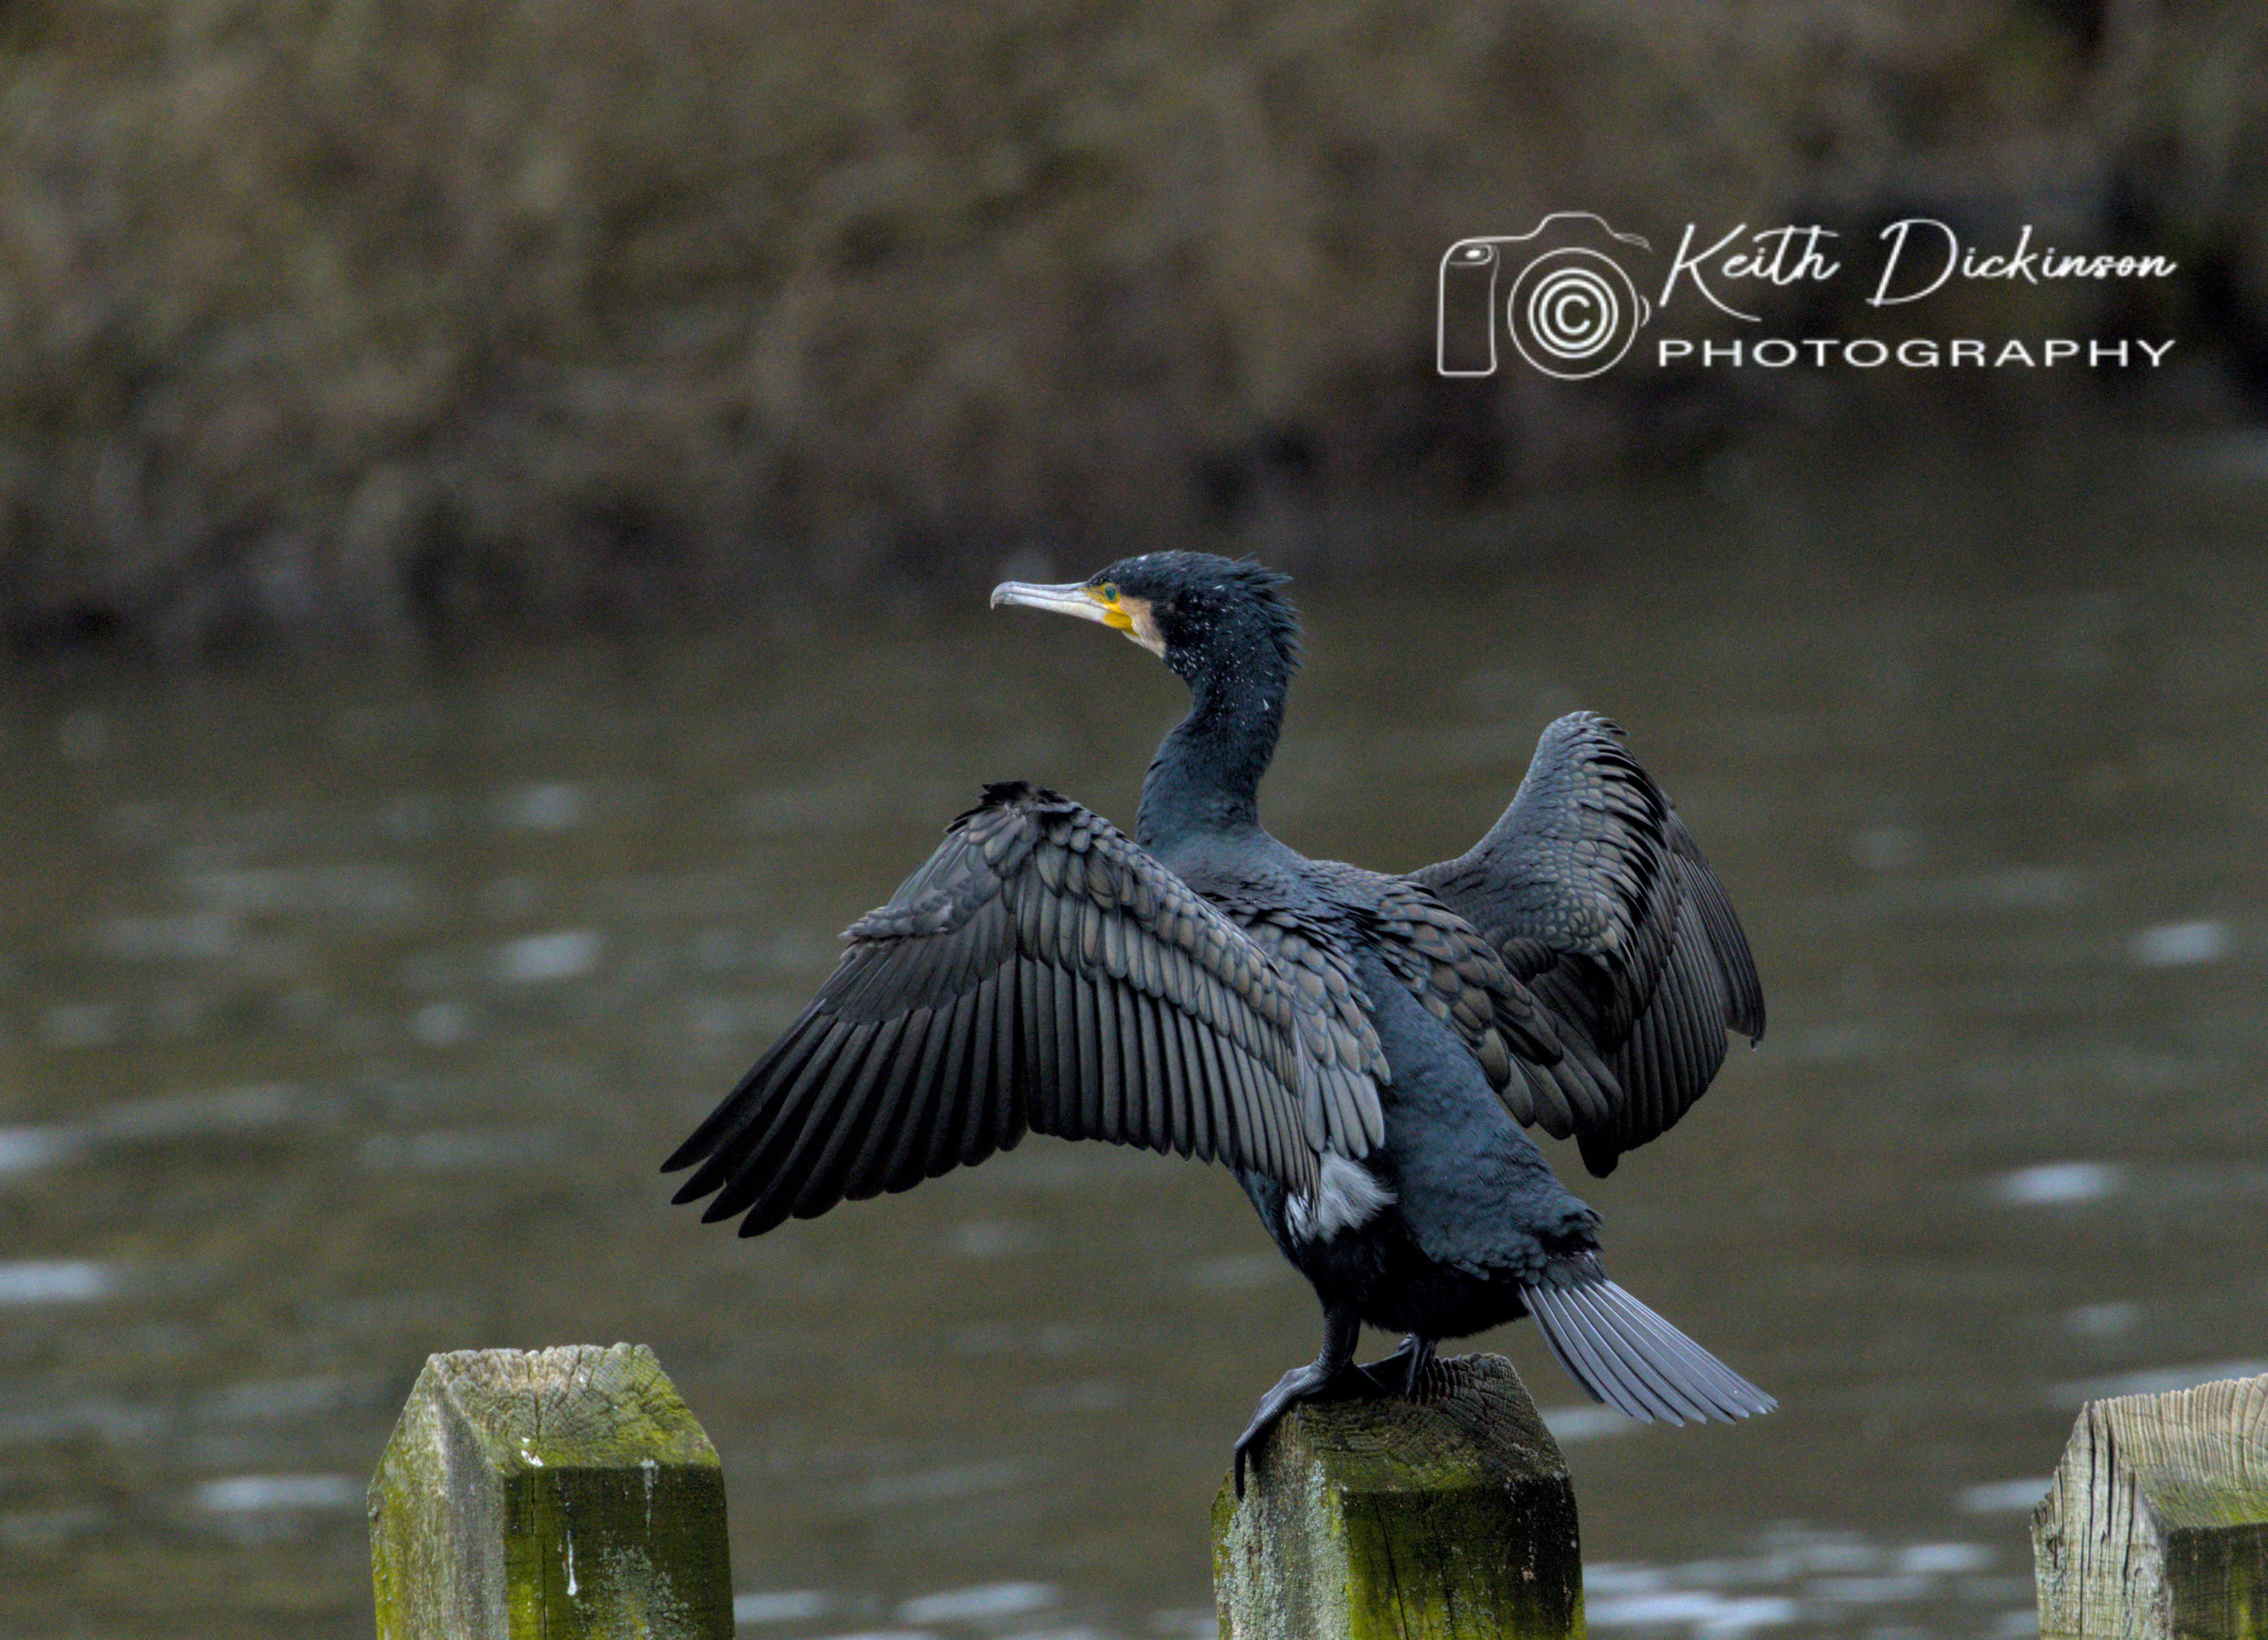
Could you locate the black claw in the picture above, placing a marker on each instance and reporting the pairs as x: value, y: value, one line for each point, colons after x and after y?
x: 1301, y: 1383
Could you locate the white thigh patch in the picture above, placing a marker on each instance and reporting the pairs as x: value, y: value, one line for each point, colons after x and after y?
x: 1350, y: 1195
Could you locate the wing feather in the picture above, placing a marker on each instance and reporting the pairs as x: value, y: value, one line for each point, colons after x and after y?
x: 1151, y: 1096
x: 1216, y: 1105
x: 1191, y: 1114
x: 887, y: 1075
x: 993, y: 1121
x: 880, y: 1159
x: 1097, y: 1056
x: 854, y: 1091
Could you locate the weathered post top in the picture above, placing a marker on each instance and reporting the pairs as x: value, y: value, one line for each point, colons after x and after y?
x: 2156, y: 1525
x: 556, y: 1492
x: 1446, y: 1518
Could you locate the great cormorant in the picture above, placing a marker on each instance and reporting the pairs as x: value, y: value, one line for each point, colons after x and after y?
x: 1362, y: 1049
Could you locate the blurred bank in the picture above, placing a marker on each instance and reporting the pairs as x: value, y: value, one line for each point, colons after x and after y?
x: 362, y: 320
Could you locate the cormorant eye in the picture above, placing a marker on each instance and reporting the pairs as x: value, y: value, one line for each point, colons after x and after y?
x: 1108, y: 592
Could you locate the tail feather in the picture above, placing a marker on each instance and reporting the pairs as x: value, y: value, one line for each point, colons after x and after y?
x: 1628, y: 1356
x: 1654, y: 1371
x: 1622, y: 1371
x: 1579, y: 1353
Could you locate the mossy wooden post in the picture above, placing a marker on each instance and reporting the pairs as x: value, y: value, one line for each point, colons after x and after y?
x: 558, y: 1493
x: 2156, y: 1525
x: 1448, y: 1518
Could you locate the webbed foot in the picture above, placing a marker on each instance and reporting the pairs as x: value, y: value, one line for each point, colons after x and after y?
x: 1404, y: 1371
x: 1333, y: 1367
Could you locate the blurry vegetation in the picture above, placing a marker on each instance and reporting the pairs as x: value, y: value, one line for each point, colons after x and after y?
x: 363, y: 317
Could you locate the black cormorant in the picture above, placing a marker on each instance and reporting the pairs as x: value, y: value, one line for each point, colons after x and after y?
x: 1362, y: 1049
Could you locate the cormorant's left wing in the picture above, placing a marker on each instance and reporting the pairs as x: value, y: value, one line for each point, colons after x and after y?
x: 1041, y: 971
x: 1598, y: 899
x: 1543, y: 1074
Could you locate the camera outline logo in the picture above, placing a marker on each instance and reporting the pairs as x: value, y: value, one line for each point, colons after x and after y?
x: 1572, y: 309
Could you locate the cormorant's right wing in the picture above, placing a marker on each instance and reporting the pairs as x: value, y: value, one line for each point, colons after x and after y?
x: 1599, y: 899
x: 1042, y: 972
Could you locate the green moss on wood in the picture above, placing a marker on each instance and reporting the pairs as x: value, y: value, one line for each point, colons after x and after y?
x: 1450, y: 1518
x: 2218, y: 1582
x: 559, y: 1493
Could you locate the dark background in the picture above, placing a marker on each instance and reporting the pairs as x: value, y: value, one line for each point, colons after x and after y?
x: 386, y: 317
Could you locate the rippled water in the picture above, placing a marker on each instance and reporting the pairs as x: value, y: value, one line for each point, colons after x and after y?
x: 349, y: 1010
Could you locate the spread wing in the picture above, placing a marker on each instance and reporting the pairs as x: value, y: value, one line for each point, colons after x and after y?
x: 1598, y: 900
x: 1343, y: 1063
x: 1541, y: 1073
x: 1039, y: 972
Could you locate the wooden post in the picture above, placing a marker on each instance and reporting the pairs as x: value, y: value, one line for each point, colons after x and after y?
x: 559, y: 1493
x: 2156, y: 1525
x: 1447, y: 1518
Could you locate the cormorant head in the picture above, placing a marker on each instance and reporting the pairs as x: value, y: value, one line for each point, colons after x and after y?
x: 1196, y: 612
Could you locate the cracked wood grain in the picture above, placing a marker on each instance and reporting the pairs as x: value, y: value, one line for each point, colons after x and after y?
x: 2156, y: 1526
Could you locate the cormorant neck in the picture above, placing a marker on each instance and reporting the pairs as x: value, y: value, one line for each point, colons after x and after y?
x: 1205, y: 777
